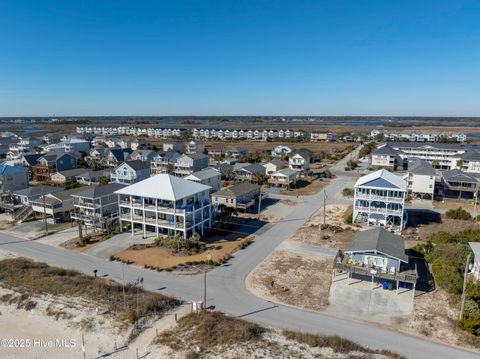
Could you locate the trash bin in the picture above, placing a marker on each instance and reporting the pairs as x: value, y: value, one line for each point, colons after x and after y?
x: 385, y: 285
x: 200, y: 305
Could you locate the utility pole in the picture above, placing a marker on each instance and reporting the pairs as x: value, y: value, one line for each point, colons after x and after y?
x: 462, y: 307
x: 475, y: 196
x: 123, y: 282
x: 45, y: 212
x: 209, y: 256
x: 259, y: 203
x: 324, y: 207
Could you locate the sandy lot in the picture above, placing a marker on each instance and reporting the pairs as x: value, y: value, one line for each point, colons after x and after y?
x: 307, y: 190
x: 311, y: 233
x: 63, y: 326
x: 293, y: 279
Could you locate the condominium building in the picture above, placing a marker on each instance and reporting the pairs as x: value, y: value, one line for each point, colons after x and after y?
x: 440, y: 155
x: 379, y: 200
x: 165, y: 205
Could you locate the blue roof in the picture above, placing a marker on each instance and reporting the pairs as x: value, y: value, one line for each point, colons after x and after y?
x: 4, y: 169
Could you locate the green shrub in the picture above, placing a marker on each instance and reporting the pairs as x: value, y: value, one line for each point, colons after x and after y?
x: 348, y: 192
x: 458, y: 213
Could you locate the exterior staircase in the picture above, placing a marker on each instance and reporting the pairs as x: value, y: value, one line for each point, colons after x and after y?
x: 22, y: 213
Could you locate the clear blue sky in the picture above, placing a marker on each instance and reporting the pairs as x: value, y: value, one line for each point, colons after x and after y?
x: 239, y: 57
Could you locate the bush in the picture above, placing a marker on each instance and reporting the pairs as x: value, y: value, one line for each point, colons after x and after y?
x: 458, y: 213
x: 348, y: 192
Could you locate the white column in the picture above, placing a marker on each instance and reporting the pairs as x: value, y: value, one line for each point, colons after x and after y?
x: 131, y: 215
x: 144, y: 221
x: 203, y: 225
x: 156, y: 217
x: 175, y: 218
x: 120, y: 214
x: 184, y: 224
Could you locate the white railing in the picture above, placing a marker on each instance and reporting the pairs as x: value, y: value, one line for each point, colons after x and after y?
x: 385, y: 211
x: 371, y: 197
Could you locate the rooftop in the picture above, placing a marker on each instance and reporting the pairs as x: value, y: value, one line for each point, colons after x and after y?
x: 420, y: 167
x: 380, y: 240
x: 99, y: 191
x: 238, y: 189
x: 164, y: 186
x: 382, y: 179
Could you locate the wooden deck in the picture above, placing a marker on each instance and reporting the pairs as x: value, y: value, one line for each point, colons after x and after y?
x: 409, y: 276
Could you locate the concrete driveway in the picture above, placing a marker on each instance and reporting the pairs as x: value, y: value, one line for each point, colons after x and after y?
x: 359, y: 301
x: 116, y: 244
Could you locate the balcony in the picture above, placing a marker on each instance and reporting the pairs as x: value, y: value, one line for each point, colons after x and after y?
x: 379, y: 210
x: 371, y: 197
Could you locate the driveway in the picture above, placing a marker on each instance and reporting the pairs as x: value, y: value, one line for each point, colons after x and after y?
x: 118, y: 243
x: 359, y: 301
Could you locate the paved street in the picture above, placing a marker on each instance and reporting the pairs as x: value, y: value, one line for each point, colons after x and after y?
x: 226, y: 284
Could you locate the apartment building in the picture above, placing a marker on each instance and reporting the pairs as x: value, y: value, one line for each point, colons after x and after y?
x: 379, y: 200
x: 165, y: 205
x: 439, y: 155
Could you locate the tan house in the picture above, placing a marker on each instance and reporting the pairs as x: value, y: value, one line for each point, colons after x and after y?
x: 240, y: 196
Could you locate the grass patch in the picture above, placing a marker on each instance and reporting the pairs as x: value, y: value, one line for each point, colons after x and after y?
x: 32, y: 279
x: 338, y: 344
x: 213, y: 332
x: 209, y: 330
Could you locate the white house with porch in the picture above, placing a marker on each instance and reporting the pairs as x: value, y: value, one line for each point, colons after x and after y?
x: 380, y: 200
x: 165, y: 205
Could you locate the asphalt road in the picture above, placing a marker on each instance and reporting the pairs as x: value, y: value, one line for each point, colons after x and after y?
x: 226, y: 284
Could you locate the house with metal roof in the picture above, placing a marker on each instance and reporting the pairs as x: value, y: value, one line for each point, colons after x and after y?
x: 456, y: 183
x: 208, y: 176
x: 239, y: 196
x: 420, y: 179
x: 379, y: 200
x: 165, y: 205
x: 97, y: 206
x: 130, y: 172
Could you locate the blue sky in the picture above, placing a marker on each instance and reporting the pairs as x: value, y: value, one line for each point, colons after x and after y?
x: 239, y: 57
